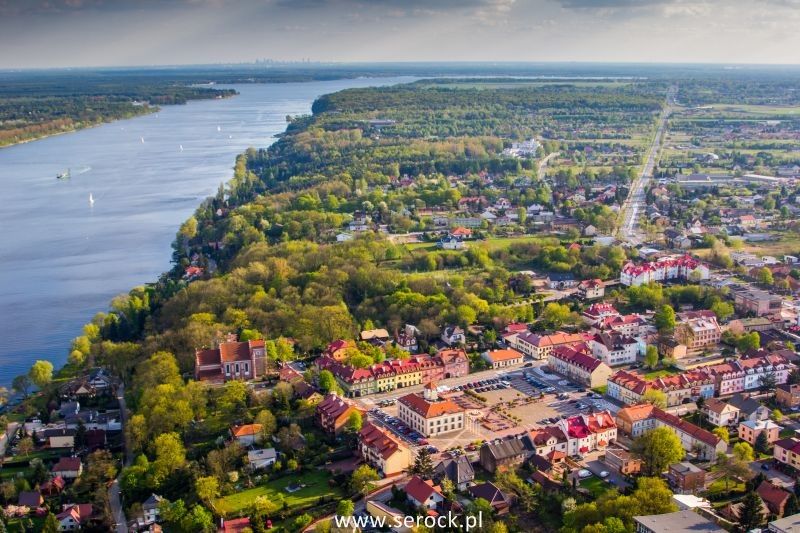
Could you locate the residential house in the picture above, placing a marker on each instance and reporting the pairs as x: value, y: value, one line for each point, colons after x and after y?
x: 684, y: 387
x: 30, y: 498
x: 336, y: 350
x: 720, y: 413
x: 789, y: 524
x: 380, y: 449
x: 614, y: 348
x: 261, y: 459
x: 749, y: 430
x: 540, y: 346
x: 429, y: 415
x: 591, y: 289
x: 627, y: 387
x: 579, y: 366
x: 589, y: 432
x: 74, y: 516
x: 598, y: 311
x: 333, y: 413
x: 550, y: 442
x: 378, y: 336
x: 451, y: 243
x: 687, y: 478
x: 455, y: 363
x: 502, y: 358
x: 231, y: 360
x: 457, y: 469
x: 59, y: 437
x: 788, y: 395
x: 561, y: 280
x: 787, y: 451
x: 488, y: 491
x: 749, y: 408
x: 671, y: 348
x: 668, y: 268
x: 150, y: 511
x: 407, y: 339
x: 623, y: 462
x: 632, y: 325
x: 502, y: 454
x: 424, y: 493
x: 453, y: 335
x: 247, y: 434
x: 68, y: 468
x: 774, y: 497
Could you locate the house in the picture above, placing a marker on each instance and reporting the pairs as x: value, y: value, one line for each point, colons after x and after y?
x: 236, y: 525
x: 68, y: 468
x: 627, y: 387
x: 591, y: 289
x: 720, y: 413
x: 261, y: 458
x: 429, y: 415
x: 69, y: 408
x: 639, y: 419
x: 589, y: 432
x: 623, y: 462
x: 677, y: 521
x: 423, y: 493
x: 686, y: 477
x: 502, y: 454
x: 457, y: 469
x: 688, y: 386
x: 461, y: 232
x: 387, y: 515
x: 73, y: 516
x: 247, y: 434
x: 632, y: 325
x: 231, y: 360
x: 561, y: 280
x: 336, y: 350
x: 30, y: 498
x: 774, y: 497
x: 549, y: 442
x: 53, y: 486
x: 378, y: 337
x: 150, y: 511
x: 598, y: 311
x: 451, y: 243
x: 614, y: 348
x: 787, y: 451
x: 407, y: 339
x: 455, y: 363
x: 502, y: 358
x: 788, y: 395
x: 789, y: 524
x: 698, y: 331
x: 95, y: 439
x: 579, y: 366
x: 333, y: 412
x: 453, y: 335
x: 379, y: 448
x: 59, y: 437
x: 496, y: 498
x: 667, y: 268
x: 540, y: 346
x: 749, y: 430
x: 671, y: 348
x: 749, y: 408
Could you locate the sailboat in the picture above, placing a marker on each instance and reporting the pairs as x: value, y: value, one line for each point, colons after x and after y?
x: 219, y: 128
x: 91, y: 199
x: 181, y: 147
x: 63, y: 175
x: 142, y: 140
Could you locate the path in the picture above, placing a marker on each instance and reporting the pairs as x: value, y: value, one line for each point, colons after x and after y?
x: 114, y: 494
x: 635, y: 202
x: 543, y: 163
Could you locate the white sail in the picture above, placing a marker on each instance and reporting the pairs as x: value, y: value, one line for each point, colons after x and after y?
x: 91, y: 199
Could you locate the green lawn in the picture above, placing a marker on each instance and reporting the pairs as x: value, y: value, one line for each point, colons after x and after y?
x: 8, y: 472
x: 595, y: 485
x: 718, y: 487
x: 655, y: 374
x: 44, y: 455
x: 316, y: 483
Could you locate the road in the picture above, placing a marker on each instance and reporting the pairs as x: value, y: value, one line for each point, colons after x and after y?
x: 114, y: 494
x: 543, y: 163
x: 635, y: 202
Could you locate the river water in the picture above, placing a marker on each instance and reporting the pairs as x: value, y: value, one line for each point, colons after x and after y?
x: 62, y: 259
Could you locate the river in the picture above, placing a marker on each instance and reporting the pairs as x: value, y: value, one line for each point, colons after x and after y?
x: 62, y: 259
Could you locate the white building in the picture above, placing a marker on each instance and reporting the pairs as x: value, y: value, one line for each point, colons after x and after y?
x: 429, y: 415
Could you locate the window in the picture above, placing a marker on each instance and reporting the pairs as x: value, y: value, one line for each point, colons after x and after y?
x: 236, y: 366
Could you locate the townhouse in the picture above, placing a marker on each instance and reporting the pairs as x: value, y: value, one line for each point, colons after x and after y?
x: 614, y: 348
x: 749, y: 373
x: 382, y: 451
x: 627, y: 387
x: 681, y: 267
x: 589, y: 432
x: 579, y: 366
x: 550, y: 442
x: 540, y: 346
x: 333, y: 412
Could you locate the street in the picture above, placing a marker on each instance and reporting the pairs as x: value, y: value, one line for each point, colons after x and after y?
x: 114, y: 494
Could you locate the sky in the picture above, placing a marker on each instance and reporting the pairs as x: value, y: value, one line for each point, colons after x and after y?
x: 75, y: 33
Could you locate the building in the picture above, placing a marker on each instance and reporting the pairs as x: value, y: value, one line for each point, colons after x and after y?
x: 453, y: 335
x: 549, y: 442
x: 632, y: 325
x: 59, y: 437
x: 681, y: 267
x: 698, y: 331
x: 749, y: 408
x: 247, y: 434
x: 591, y: 289
x: 540, y: 346
x: 457, y: 469
x: 231, y: 360
x: 261, y: 459
x: 336, y: 350
x: 429, y: 415
x: 627, y: 387
x: 455, y: 363
x: 68, y: 468
x: 423, y: 493
x: 589, y: 432
x: 687, y: 478
x: 502, y: 358
x: 488, y: 491
x: 672, y: 522
x: 638, y: 419
x: 671, y: 348
x: 382, y: 451
x: 774, y: 497
x: 598, y: 311
x: 719, y: 413
x: 30, y: 498
x: 787, y: 451
x: 579, y: 366
x: 150, y: 512
x: 750, y: 429
x: 756, y: 302
x: 502, y: 454
x: 788, y: 395
x: 788, y: 524
x: 623, y: 462
x: 688, y: 386
x: 73, y: 516
x: 561, y: 280
x: 614, y: 348
x: 333, y: 413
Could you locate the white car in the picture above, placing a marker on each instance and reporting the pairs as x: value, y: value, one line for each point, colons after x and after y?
x: 583, y: 473
x: 604, y: 474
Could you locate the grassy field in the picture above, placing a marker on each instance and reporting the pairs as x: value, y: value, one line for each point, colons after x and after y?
x: 316, y: 486
x: 655, y: 374
x: 595, y: 485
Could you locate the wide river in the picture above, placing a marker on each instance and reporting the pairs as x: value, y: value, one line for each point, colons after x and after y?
x: 62, y: 259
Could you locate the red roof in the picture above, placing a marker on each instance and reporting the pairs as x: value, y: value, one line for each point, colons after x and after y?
x: 237, y: 525
x: 378, y: 439
x: 576, y: 358
x: 504, y: 355
x: 427, y: 409
x: 67, y: 464
x: 246, y: 430
x: 420, y: 489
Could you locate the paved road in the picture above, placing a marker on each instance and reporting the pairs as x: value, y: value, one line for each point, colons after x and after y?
x: 635, y: 202
x: 543, y: 163
x: 114, y: 496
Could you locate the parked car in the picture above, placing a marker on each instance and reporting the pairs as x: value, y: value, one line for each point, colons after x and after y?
x: 604, y: 474
x: 583, y: 473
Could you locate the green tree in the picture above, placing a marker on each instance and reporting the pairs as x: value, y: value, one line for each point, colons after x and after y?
x: 268, y: 424
x: 765, y: 277
x: 748, y: 341
x: 751, y: 515
x: 655, y: 397
x: 22, y: 385
x: 556, y: 315
x: 207, y: 489
x: 362, y: 479
x: 423, y: 464
x: 651, y: 357
x: 25, y: 446
x: 658, y: 448
x: 41, y: 373
x: 327, y: 382
x: 170, y: 455
x: 51, y: 524
x: 762, y: 443
x: 723, y: 310
x: 664, y: 319
x: 345, y: 508
x: 723, y: 433
x: 233, y: 400
x: 354, y: 422
x: 731, y: 468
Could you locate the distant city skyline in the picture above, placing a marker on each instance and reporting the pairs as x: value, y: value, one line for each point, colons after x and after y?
x: 81, y: 33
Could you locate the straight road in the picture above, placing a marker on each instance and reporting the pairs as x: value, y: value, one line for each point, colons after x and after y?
x: 635, y: 202
x: 114, y: 495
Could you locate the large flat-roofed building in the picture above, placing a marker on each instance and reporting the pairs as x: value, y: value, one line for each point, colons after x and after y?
x: 672, y: 522
x: 756, y: 301
x: 428, y: 414
x: 787, y: 524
